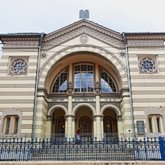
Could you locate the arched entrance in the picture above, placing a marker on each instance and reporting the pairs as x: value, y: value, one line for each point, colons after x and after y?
x: 110, y: 123
x: 84, y: 121
x: 58, y: 123
x: 85, y: 124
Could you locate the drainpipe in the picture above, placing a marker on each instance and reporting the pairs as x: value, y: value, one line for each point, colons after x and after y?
x: 129, y: 83
x: 36, y: 84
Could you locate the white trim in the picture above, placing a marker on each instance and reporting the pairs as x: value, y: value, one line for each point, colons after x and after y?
x: 53, y: 108
x: 116, y: 109
x: 83, y: 104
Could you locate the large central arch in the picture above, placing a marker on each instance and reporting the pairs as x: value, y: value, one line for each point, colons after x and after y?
x: 70, y: 58
x: 57, y: 59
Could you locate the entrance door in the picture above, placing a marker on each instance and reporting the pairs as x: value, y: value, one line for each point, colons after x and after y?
x: 85, y: 126
x: 110, y: 127
x: 107, y: 125
x: 60, y: 125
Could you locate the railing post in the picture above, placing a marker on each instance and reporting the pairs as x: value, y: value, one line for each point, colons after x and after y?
x: 162, y: 147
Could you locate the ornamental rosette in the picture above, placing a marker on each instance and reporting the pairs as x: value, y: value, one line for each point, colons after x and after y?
x: 19, y: 67
x: 147, y: 65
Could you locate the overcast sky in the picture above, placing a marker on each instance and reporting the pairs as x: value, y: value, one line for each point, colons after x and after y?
x: 50, y: 15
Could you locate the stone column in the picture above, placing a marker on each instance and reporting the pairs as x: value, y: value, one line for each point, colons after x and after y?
x: 120, y: 127
x: 97, y: 117
x: 98, y: 129
x: 48, y: 130
x: 73, y: 126
x: 12, y: 125
x: 4, y: 125
x: 98, y: 124
x: 69, y: 126
x: 102, y: 126
x: 69, y: 121
x: 154, y: 124
x: 161, y: 125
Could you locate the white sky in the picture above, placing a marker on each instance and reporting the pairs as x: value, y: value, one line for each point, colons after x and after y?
x: 49, y: 15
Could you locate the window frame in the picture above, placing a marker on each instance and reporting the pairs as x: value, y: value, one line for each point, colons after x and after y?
x: 58, y: 75
x: 158, y: 122
x: 10, y: 124
x: 81, y: 71
x: 111, y: 78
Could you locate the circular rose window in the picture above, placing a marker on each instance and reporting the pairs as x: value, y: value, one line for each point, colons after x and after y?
x: 19, y: 66
x: 147, y: 65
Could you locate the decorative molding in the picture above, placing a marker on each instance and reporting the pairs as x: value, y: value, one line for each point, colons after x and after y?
x: 83, y: 39
x: 95, y: 49
x: 145, y: 36
x: 83, y: 31
x: 114, y: 106
x: 81, y: 24
x: 76, y: 106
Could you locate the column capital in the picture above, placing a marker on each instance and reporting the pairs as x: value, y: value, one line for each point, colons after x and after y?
x: 70, y: 89
x: 97, y: 88
x: 119, y: 118
x: 49, y: 117
x: 69, y: 115
x: 101, y: 116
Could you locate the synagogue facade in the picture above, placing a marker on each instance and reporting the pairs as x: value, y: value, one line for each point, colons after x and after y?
x: 83, y: 76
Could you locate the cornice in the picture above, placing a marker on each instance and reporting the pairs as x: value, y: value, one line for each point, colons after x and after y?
x: 145, y: 36
x: 83, y: 30
x: 84, y: 23
x: 21, y: 37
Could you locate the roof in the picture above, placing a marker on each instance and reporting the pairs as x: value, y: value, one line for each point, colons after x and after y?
x: 81, y: 23
x: 18, y: 36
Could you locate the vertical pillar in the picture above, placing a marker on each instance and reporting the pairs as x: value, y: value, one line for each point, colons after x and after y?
x: 69, y: 121
x: 102, y: 127
x: 97, y: 118
x: 69, y: 117
x: 73, y: 126
x: 98, y: 125
x: 12, y: 125
x: 94, y: 127
x: 154, y: 124
x: 48, y: 127
x: 4, y: 125
x: 120, y: 126
x: 69, y: 127
x: 161, y: 125
x: 67, y: 134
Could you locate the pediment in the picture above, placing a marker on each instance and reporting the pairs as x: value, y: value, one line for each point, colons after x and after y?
x: 82, y: 28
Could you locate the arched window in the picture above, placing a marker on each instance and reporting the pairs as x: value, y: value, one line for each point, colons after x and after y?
x: 60, y: 84
x: 10, y: 124
x: 83, y: 78
x: 107, y: 83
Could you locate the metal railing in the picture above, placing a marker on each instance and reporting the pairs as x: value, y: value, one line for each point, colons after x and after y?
x: 23, y: 149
